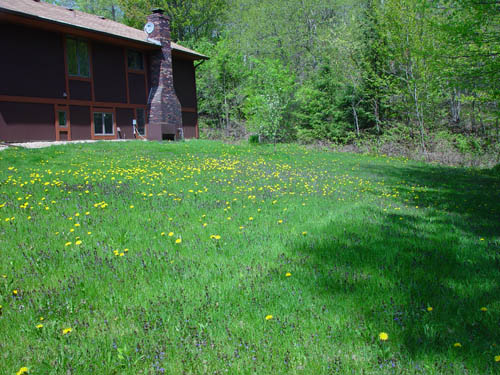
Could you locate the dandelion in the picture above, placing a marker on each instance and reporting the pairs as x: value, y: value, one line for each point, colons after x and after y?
x: 178, y: 240
x: 170, y: 234
x: 484, y: 309
x: 269, y: 317
x: 162, y: 233
x: 131, y: 206
x: 39, y: 326
x: 497, y: 358
x: 383, y: 336
x: 42, y: 318
x: 14, y: 292
x: 79, y: 242
x: 215, y: 236
x: 304, y: 233
x: 429, y: 309
x: 67, y: 243
x: 288, y: 274
x: 22, y: 370
x: 250, y: 218
x: 457, y: 345
x: 65, y: 331
x: 280, y: 221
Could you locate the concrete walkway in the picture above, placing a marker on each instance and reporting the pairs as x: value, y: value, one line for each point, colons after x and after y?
x: 4, y: 146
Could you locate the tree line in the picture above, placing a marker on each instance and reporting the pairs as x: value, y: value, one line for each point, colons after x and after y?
x: 420, y: 73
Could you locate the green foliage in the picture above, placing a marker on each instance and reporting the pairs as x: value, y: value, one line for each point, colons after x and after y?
x: 253, y: 139
x: 268, y: 97
x: 190, y: 19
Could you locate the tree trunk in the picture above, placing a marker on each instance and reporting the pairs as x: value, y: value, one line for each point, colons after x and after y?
x: 355, y: 114
x: 377, y: 116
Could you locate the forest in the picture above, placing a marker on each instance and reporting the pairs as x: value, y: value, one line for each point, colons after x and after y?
x: 414, y: 78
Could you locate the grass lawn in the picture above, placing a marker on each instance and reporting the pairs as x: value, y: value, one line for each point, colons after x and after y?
x: 201, y: 257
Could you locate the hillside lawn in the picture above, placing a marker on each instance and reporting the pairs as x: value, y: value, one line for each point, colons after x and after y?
x: 206, y: 258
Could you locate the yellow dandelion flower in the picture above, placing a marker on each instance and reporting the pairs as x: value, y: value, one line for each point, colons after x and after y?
x: 89, y: 232
x: 484, y: 309
x: 125, y: 250
x: 497, y: 358
x: 170, y: 234
x: 288, y: 274
x: 383, y: 336
x: 39, y: 326
x: 280, y: 221
x: 162, y: 233
x: 250, y: 218
x: 87, y: 213
x: 122, y: 254
x: 131, y: 206
x: 269, y: 317
x: 304, y: 233
x: 67, y: 243
x: 42, y: 318
x: 65, y: 331
x: 429, y: 309
x: 79, y: 242
x: 14, y: 292
x: 178, y: 240
x: 22, y: 370
x: 457, y: 345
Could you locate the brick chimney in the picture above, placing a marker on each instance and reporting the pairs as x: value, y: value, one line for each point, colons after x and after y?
x: 165, y: 115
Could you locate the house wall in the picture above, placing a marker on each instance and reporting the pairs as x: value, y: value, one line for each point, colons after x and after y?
x: 185, y: 88
x: 31, y: 63
x: 34, y: 84
x: 21, y: 121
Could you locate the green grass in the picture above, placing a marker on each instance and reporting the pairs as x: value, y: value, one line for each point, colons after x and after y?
x: 371, y: 243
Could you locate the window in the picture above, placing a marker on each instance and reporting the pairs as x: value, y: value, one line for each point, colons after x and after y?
x: 135, y: 60
x: 141, y: 122
x: 103, y: 123
x: 62, y: 119
x: 78, y: 57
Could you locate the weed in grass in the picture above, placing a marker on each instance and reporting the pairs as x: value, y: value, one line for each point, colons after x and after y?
x: 201, y: 257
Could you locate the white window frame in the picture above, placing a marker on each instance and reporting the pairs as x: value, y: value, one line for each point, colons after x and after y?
x: 103, y: 126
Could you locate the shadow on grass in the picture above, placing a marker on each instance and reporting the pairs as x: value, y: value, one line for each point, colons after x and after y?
x: 388, y: 268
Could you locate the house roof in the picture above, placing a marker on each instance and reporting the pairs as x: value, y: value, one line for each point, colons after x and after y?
x: 75, y: 18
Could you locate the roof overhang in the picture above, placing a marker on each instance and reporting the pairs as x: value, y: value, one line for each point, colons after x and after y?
x: 18, y: 17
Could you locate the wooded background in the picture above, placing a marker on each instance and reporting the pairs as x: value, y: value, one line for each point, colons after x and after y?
x: 401, y: 76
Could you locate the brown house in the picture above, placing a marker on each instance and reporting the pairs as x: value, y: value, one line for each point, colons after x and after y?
x: 69, y: 75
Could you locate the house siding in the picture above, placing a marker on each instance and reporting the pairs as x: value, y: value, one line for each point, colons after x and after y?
x: 109, y: 73
x: 21, y: 121
x: 32, y: 62
x: 34, y: 84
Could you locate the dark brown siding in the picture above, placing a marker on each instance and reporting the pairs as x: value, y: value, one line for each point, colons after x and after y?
x: 137, y: 88
x: 27, y: 121
x: 124, y: 117
x: 184, y: 82
x: 109, y: 73
x: 80, y: 122
x: 31, y: 62
x: 189, y: 124
x: 80, y: 90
